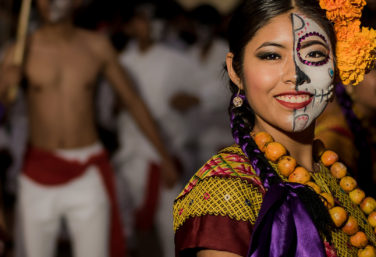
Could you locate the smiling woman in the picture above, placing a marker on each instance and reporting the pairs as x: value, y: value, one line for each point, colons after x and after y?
x: 288, y: 69
x: 266, y: 198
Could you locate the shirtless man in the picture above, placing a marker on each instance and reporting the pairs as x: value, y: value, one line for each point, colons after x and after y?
x: 65, y: 164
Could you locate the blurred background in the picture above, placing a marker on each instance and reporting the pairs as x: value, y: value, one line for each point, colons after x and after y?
x: 189, y: 99
x: 174, y: 51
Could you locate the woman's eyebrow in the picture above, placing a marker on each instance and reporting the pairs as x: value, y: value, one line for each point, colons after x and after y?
x: 270, y: 44
x: 309, y: 43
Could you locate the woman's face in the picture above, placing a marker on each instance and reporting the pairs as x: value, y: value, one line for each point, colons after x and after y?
x: 288, y: 70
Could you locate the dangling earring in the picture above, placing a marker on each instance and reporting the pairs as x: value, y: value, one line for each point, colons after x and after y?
x: 237, y: 101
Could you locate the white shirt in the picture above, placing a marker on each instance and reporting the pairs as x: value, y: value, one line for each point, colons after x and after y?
x: 158, y: 74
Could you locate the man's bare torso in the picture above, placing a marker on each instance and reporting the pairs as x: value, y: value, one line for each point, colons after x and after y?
x: 61, y: 75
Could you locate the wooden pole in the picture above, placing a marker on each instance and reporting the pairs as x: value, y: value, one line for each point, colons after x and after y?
x: 19, y: 50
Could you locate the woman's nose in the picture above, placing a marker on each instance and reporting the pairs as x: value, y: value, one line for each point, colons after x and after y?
x: 301, y: 77
x: 293, y: 74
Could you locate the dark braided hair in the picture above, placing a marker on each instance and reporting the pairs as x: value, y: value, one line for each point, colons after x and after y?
x: 246, y: 21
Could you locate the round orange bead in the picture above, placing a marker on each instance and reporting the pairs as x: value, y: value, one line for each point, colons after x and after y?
x: 351, y: 226
x: 368, y: 205
x: 372, y: 219
x: 357, y: 195
x: 300, y: 175
x: 262, y: 139
x: 329, y: 157
x: 368, y: 251
x: 338, y: 170
x: 274, y: 151
x: 286, y: 165
x: 339, y: 215
x: 348, y: 184
x: 359, y: 240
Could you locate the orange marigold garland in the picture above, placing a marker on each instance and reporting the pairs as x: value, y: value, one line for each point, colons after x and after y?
x: 355, y: 44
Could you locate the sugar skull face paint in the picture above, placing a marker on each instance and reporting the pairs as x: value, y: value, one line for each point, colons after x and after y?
x: 314, y: 69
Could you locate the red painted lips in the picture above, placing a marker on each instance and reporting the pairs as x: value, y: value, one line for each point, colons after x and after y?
x: 295, y: 99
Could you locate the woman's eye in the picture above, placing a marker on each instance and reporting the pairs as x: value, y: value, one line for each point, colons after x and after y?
x: 269, y: 56
x: 313, y: 50
x: 316, y: 54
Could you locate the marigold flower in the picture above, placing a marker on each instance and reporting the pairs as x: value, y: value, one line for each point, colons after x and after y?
x: 356, y: 46
x: 346, y: 30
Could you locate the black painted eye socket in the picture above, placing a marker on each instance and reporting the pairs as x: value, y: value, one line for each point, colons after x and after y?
x: 312, y: 49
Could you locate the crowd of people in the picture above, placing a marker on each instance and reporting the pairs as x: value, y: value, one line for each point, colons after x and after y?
x: 118, y: 104
x: 105, y: 129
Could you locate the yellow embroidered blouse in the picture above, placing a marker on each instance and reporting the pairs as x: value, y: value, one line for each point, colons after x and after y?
x: 219, y: 206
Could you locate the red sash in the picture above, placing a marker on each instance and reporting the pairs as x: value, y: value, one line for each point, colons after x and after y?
x: 48, y: 169
x: 144, y: 216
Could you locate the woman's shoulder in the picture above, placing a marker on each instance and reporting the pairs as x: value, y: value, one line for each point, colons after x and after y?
x: 230, y: 162
x: 226, y: 186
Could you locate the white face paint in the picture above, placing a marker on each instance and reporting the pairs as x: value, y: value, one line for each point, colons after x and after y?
x: 59, y: 9
x: 313, y: 57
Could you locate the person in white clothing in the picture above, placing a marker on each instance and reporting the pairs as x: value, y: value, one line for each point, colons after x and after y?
x: 211, y: 129
x: 162, y: 77
x: 61, y: 66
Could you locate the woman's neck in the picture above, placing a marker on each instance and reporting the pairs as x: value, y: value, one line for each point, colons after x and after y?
x: 298, y: 144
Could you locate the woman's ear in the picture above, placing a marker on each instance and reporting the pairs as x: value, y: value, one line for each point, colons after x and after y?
x: 231, y: 72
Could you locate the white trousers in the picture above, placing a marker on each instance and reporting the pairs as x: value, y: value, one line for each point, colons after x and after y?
x: 134, y: 172
x: 83, y: 203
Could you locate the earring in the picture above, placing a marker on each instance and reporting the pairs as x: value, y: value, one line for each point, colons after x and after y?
x: 238, y: 100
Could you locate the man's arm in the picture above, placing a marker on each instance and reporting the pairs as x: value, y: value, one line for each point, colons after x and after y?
x: 122, y: 84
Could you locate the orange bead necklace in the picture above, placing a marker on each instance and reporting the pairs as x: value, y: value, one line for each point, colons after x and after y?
x: 291, y: 171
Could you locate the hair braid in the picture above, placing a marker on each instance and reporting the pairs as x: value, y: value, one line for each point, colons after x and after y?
x: 242, y: 123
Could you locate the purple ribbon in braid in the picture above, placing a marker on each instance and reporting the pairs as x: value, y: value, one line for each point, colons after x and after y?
x: 283, y: 226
